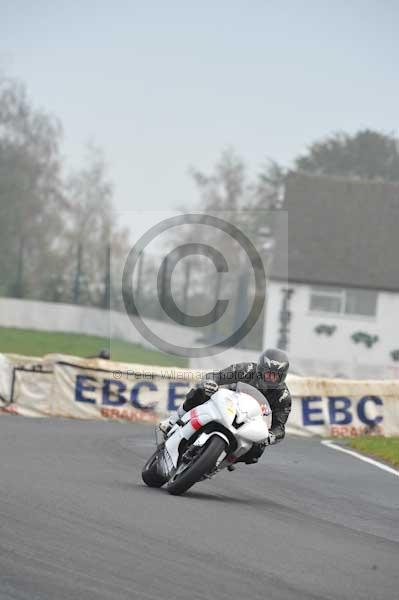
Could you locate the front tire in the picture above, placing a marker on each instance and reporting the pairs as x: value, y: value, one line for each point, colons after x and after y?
x: 201, y: 465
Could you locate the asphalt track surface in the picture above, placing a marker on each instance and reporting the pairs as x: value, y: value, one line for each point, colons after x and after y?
x: 76, y: 522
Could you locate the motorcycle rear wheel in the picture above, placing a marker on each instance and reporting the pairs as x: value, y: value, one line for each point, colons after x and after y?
x: 202, y: 464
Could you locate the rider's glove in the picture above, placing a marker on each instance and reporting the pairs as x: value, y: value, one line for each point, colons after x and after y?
x: 210, y: 387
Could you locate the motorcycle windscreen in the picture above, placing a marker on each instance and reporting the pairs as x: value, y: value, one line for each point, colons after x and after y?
x: 250, y: 390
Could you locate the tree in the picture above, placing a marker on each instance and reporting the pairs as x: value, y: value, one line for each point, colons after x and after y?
x: 89, y: 227
x: 56, y: 233
x: 229, y: 193
x: 270, y: 185
x: 31, y: 200
x: 366, y: 155
x: 226, y: 188
x: 96, y: 245
x: 229, y: 190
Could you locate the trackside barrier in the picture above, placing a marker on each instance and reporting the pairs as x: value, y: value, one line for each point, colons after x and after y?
x: 67, y: 386
x: 9, y: 363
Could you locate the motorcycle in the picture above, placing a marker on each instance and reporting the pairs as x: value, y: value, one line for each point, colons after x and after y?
x: 208, y: 439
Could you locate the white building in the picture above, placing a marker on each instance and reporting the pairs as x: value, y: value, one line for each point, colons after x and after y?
x: 333, y: 291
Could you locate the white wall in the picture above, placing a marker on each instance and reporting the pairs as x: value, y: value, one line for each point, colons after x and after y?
x: 313, y: 354
x: 47, y: 316
x: 310, y: 354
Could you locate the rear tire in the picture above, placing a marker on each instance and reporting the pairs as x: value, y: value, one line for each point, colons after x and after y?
x: 150, y: 474
x: 200, y: 466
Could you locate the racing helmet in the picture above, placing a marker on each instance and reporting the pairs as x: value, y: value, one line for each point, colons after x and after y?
x: 273, y: 365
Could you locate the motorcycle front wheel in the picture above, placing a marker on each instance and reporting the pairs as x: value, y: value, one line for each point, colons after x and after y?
x: 188, y: 474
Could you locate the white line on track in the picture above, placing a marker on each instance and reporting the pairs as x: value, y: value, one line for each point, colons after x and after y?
x: 366, y: 459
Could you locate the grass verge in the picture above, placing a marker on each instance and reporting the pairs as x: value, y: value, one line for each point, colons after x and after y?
x: 39, y: 343
x: 386, y: 448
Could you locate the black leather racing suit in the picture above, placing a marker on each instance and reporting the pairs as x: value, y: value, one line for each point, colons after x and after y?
x: 277, y: 395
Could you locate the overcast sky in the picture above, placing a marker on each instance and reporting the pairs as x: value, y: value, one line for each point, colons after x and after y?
x: 164, y: 85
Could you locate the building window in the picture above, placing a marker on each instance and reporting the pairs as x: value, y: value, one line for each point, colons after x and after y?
x: 361, y: 302
x: 343, y: 301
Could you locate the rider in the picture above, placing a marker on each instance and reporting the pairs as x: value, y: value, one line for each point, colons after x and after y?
x: 267, y: 375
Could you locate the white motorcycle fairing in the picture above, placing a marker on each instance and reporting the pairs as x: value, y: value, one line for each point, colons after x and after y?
x: 235, y: 416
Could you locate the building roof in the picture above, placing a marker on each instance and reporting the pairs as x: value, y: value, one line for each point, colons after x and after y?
x: 340, y: 232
